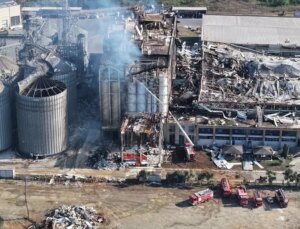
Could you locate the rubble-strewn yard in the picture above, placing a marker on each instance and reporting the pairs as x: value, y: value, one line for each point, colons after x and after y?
x: 133, y: 206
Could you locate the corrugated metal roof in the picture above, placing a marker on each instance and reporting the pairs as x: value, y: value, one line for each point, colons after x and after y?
x: 251, y: 30
x: 184, y: 8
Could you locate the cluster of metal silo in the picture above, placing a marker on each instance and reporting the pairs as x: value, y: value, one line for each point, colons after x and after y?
x: 138, y: 97
x: 5, y: 118
x: 42, y: 117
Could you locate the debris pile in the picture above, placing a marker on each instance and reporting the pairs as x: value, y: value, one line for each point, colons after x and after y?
x: 186, y: 85
x: 71, y: 217
x: 142, y: 129
x: 237, y: 75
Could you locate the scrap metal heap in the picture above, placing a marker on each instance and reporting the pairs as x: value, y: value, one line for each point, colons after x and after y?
x: 71, y: 217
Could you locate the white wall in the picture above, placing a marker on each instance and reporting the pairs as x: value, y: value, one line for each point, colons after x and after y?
x: 6, y: 13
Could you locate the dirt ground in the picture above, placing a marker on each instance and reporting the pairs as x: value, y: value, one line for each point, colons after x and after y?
x: 142, y: 206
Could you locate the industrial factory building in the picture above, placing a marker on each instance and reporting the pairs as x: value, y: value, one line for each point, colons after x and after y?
x: 128, y: 76
x: 249, y: 87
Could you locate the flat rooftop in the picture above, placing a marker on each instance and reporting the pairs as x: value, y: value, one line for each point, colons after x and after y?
x: 251, y: 30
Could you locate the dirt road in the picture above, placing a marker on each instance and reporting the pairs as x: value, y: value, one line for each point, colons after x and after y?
x: 142, y: 207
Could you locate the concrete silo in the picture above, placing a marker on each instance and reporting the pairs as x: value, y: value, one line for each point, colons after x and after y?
x: 42, y: 117
x: 5, y: 118
x: 112, y: 97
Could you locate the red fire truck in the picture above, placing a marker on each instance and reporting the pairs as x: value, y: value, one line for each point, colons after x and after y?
x: 225, y: 187
x: 281, y: 198
x: 242, y: 195
x: 189, y: 151
x: 201, y: 196
x: 258, y: 201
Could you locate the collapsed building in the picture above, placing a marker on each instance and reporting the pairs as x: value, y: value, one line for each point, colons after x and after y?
x: 135, y: 93
x: 249, y: 84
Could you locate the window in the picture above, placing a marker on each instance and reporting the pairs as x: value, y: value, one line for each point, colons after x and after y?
x: 289, y: 133
x: 191, y: 129
x: 172, y: 128
x: 238, y: 139
x: 181, y: 140
x: 272, y: 132
x: 255, y: 132
x: 272, y: 140
x: 205, y: 137
x: 15, y: 20
x: 222, y: 138
x: 255, y: 139
x: 238, y: 132
x: 205, y: 130
x: 172, y: 139
x: 288, y: 139
x: 222, y: 131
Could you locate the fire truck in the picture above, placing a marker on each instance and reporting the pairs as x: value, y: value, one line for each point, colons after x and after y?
x: 258, y: 201
x: 242, y: 195
x: 201, y: 196
x: 281, y: 198
x: 189, y: 151
x: 225, y: 187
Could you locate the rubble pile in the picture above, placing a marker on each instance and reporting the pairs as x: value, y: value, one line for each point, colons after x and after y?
x: 146, y: 125
x: 188, y: 74
x: 71, y: 217
x: 239, y: 75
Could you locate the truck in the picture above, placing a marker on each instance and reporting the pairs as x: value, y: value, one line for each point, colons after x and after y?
x: 189, y: 152
x: 225, y: 187
x: 242, y: 195
x: 201, y: 196
x: 257, y: 198
x: 281, y: 198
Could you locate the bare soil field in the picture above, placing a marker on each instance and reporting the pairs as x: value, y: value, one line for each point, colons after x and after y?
x: 142, y: 207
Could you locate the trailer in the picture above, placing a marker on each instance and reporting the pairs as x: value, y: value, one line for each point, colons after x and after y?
x: 242, y: 195
x: 281, y: 198
x: 201, y: 196
x: 257, y: 198
x: 225, y: 187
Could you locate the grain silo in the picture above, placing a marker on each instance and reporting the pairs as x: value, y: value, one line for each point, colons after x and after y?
x: 112, y: 97
x: 42, y: 117
x: 65, y: 72
x: 5, y: 118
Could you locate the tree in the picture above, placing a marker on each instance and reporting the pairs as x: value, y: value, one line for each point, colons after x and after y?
x: 176, y: 177
x: 271, y: 176
x: 205, y: 176
x: 142, y: 176
x: 1, y: 222
x: 200, y: 177
x: 297, y: 181
x: 287, y: 174
x: 285, y: 151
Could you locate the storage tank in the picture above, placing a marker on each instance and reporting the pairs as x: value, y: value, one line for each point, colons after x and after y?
x: 42, y: 117
x: 5, y: 118
x: 141, y: 97
x: 65, y: 72
x: 163, y: 95
x: 131, y: 96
